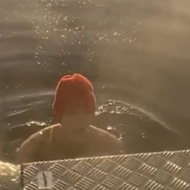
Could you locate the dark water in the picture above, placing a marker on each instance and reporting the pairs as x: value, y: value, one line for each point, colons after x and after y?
x: 133, y: 51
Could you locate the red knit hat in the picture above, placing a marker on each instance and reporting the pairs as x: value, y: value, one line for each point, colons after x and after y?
x: 73, y: 92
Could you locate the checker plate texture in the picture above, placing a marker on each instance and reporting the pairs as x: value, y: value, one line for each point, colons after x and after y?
x: 150, y: 171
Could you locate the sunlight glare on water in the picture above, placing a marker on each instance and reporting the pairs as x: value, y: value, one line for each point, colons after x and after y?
x: 9, y: 176
x: 135, y: 51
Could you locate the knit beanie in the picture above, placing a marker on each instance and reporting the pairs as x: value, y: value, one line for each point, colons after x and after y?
x: 73, y: 92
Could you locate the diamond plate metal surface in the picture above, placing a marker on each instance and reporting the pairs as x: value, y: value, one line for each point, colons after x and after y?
x: 150, y: 171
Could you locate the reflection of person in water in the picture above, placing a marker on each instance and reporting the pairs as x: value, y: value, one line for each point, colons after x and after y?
x: 73, y: 137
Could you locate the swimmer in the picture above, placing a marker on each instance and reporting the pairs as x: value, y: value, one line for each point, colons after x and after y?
x: 74, y: 107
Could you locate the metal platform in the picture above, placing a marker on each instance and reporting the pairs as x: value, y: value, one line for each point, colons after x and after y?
x: 150, y: 171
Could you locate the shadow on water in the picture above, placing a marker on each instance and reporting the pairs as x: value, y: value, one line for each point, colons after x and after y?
x: 133, y: 51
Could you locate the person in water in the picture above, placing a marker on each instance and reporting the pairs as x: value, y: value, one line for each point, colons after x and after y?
x: 74, y: 107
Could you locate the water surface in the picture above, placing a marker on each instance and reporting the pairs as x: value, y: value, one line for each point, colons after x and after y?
x: 132, y: 51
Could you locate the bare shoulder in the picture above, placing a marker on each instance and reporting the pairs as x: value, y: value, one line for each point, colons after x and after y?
x: 35, y: 138
x: 47, y: 129
x: 26, y: 152
x: 108, y: 141
x: 102, y: 133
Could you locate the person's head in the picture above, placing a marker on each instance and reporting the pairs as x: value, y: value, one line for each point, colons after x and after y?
x: 74, y: 102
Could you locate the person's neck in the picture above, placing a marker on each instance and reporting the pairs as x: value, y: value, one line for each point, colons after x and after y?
x: 69, y: 127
